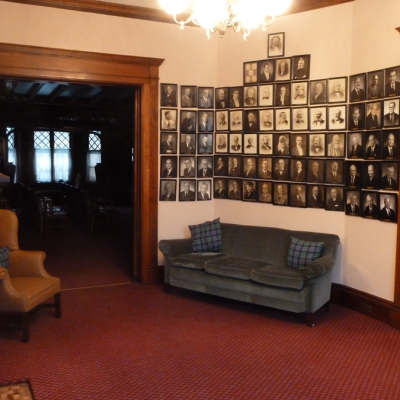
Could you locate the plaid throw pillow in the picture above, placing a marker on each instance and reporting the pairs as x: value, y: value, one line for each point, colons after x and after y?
x: 4, y: 257
x: 302, y: 253
x: 207, y: 236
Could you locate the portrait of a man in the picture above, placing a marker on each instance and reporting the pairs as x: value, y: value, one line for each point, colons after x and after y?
x: 188, y: 96
x: 282, y: 118
x: 372, y: 148
x: 299, y: 93
x: 236, y: 97
x: 369, y: 205
x: 353, y: 174
x: 204, y: 167
x: 335, y: 145
x: 297, y: 195
x: 388, y: 207
x: 235, y: 166
x: 264, y: 168
x: 281, y: 194
x: 356, y: 117
x: 187, y: 192
x: 315, y: 196
x: 357, y: 88
x: 250, y: 96
x: 390, y: 148
x: 392, y: 87
x: 354, y: 147
x: 299, y: 145
x: 337, y: 90
x: 371, y: 176
x: 168, y: 120
x: 220, y: 165
x: 187, y: 169
x: 318, y: 92
x: 317, y: 145
x: 390, y: 174
x: 222, y: 120
x: 206, y: 97
x: 167, y: 190
x: 283, y: 69
x: 391, y: 113
x: 265, y: 144
x: 267, y: 71
x: 281, y: 169
x: 352, y: 203
x: 206, y: 121
x: 188, y: 121
x: 221, y: 142
x: 264, y: 192
x: 266, y: 120
x: 374, y: 117
x: 168, y: 167
x: 249, y: 167
x: 318, y: 118
x: 205, y: 143
x: 235, y: 192
x: 168, y: 143
x: 249, y: 190
x: 300, y: 119
x: 236, y: 120
x: 298, y: 170
x: 251, y: 121
x: 235, y: 145
x: 204, y: 190
x: 220, y: 191
x: 334, y: 198
x: 276, y: 44
x: 281, y: 144
x: 282, y: 94
x: 250, y: 143
x: 168, y: 95
x: 334, y: 171
x: 188, y: 143
x: 301, y: 67
x: 266, y: 95
x: 375, y: 88
x: 221, y: 98
x: 337, y: 118
x: 315, y: 171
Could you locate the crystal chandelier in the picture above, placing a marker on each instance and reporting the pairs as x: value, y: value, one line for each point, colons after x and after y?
x: 218, y: 15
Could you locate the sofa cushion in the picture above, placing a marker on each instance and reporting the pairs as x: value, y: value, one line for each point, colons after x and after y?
x: 284, y: 277
x: 206, y: 236
x: 194, y: 260
x: 233, y: 267
x: 4, y: 257
x: 301, y: 253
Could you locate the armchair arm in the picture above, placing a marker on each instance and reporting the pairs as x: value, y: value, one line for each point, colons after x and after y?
x: 320, y: 266
x: 26, y: 263
x: 175, y: 247
x: 11, y: 300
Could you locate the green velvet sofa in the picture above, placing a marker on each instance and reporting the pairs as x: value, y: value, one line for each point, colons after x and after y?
x: 252, y: 267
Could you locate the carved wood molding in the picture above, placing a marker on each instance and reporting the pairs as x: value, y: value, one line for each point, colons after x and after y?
x: 151, y: 14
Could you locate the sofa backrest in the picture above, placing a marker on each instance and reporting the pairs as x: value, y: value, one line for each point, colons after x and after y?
x: 270, y: 244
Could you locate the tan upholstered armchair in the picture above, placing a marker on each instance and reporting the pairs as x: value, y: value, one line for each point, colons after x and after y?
x: 26, y: 285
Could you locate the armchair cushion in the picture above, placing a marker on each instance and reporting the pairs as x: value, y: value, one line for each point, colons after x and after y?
x: 301, y: 253
x: 207, y: 236
x: 5, y: 257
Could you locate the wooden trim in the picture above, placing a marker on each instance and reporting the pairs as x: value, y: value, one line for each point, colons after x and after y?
x: 39, y: 63
x: 398, y: 29
x: 151, y: 14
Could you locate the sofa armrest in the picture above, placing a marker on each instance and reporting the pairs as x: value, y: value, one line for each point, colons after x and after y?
x: 174, y: 247
x: 25, y: 263
x: 318, y: 267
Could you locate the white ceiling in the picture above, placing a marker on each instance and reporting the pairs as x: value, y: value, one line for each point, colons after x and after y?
x: 137, y: 3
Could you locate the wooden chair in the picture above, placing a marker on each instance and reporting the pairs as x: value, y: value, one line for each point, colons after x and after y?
x: 25, y: 286
x: 52, y: 217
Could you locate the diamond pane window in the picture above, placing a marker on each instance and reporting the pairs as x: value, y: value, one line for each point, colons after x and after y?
x: 94, y: 142
x: 61, y: 140
x: 11, y: 140
x: 41, y: 140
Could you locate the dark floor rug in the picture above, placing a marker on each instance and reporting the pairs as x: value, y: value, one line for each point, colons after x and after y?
x: 16, y: 390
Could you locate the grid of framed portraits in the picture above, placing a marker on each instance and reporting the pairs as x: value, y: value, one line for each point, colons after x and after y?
x: 285, y: 139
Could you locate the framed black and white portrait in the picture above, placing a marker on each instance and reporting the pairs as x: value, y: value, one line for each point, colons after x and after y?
x: 388, y: 207
x: 280, y: 197
x: 169, y: 95
x: 168, y: 119
x: 334, y: 198
x: 264, y: 168
x: 220, y: 188
x: 372, y: 145
x: 236, y: 97
x: 221, y: 98
x: 168, y: 143
x: 235, y: 189
x: 369, y: 204
x: 188, y: 121
x: 316, y: 145
x: 235, y: 166
x: 264, y: 190
x: 167, y: 190
x: 221, y: 165
x: 353, y: 202
x: 337, y: 118
x: 169, y: 167
x: 281, y: 169
x: 281, y: 144
x: 250, y: 72
x: 300, y: 119
x: 251, y: 96
x: 298, y: 195
x: 205, y: 143
x: 283, y: 70
x: 373, y: 119
x: 318, y: 118
x: 335, y: 144
x: 299, y: 93
x: 315, y: 196
x: 204, y: 167
x: 356, y: 117
x: 391, y: 113
x: 205, y: 121
x: 282, y: 119
x: 187, y: 167
x: 221, y: 120
x: 375, y: 84
x: 282, y: 94
x: 187, y: 190
x: 265, y: 143
x: 371, y: 175
x: 318, y: 90
x: 389, y: 175
x: 315, y: 170
x: 249, y: 190
x: 188, y: 96
x: 298, y: 170
x: 250, y: 144
x: 301, y: 67
x: 266, y: 69
x: 353, y: 172
x: 299, y: 146
x: 276, y: 44
x: 249, y: 169
x: 236, y: 120
x: 236, y: 143
x: 205, y: 97
x: 390, y: 144
x: 266, y: 95
x: 334, y: 169
x: 204, y: 189
x: 221, y: 143
x: 355, y: 145
x: 357, y: 88
x: 251, y: 121
x: 187, y: 143
x: 337, y: 90
x: 266, y: 118
x: 392, y: 81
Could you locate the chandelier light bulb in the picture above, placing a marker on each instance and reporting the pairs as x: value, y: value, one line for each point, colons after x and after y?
x: 174, y: 6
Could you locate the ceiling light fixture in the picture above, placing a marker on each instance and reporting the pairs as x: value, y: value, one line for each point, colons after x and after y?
x: 218, y: 15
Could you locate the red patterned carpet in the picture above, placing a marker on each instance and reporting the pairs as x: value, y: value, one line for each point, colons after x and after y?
x: 136, y: 342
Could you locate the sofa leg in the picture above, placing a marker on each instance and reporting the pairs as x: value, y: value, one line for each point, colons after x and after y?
x: 25, y: 327
x: 57, y: 304
x: 310, y: 317
x: 168, y: 288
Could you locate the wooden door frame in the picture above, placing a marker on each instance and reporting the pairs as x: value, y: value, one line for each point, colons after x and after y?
x: 47, y: 64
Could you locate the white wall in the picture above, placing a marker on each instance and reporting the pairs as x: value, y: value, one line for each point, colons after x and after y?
x: 342, y: 40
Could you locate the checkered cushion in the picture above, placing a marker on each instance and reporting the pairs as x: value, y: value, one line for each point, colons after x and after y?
x: 4, y: 257
x: 206, y: 236
x: 302, y: 253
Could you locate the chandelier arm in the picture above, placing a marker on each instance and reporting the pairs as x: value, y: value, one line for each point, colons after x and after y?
x: 182, y: 23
